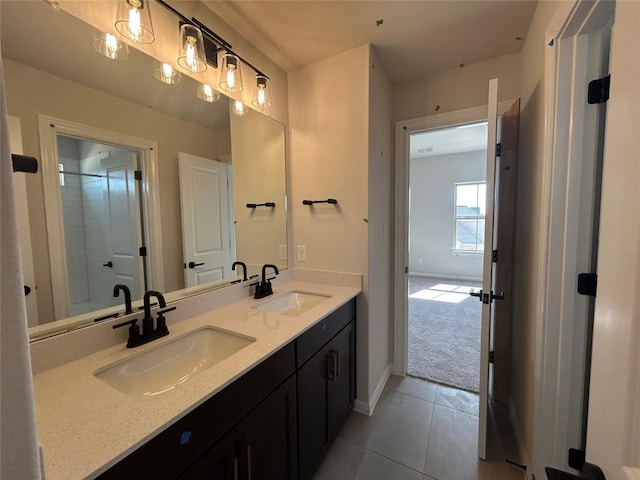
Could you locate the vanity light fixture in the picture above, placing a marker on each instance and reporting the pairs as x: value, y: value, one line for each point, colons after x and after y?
x: 109, y: 46
x: 237, y: 108
x: 133, y: 20
x: 231, y: 74
x: 191, y: 52
x: 207, y: 93
x: 166, y: 73
x: 263, y: 96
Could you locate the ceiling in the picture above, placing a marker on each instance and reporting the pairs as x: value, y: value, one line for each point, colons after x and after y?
x: 464, y: 138
x: 414, y: 39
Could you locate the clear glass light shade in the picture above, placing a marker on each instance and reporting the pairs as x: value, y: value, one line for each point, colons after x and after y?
x: 191, y: 54
x: 133, y: 20
x: 166, y: 73
x: 230, y: 74
x: 263, y: 94
x: 207, y: 93
x: 109, y: 46
x: 237, y: 107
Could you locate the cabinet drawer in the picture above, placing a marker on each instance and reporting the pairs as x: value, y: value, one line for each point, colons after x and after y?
x: 313, y: 339
x: 172, y: 450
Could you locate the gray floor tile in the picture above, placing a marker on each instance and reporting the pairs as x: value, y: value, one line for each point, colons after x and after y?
x: 401, y: 432
x: 452, y: 453
x: 376, y: 467
x: 342, y: 462
x: 457, y: 399
x: 416, y: 387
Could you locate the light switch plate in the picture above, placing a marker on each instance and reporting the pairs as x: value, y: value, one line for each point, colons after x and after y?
x: 282, y: 252
x: 302, y: 253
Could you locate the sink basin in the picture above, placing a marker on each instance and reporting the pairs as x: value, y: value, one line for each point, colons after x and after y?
x: 292, y: 304
x: 163, y: 368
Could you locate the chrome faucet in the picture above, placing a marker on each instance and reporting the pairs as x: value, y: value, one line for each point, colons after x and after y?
x: 263, y: 289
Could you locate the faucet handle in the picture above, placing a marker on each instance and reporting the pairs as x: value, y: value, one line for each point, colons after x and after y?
x: 161, y: 321
x: 134, y: 332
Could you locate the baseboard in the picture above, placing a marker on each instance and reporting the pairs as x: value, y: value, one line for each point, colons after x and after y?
x: 446, y: 277
x: 517, y: 431
x: 367, y: 408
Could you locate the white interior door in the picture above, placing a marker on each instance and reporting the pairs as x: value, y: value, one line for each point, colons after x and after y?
x: 24, y: 229
x: 122, y: 263
x: 206, y: 232
x: 487, y: 269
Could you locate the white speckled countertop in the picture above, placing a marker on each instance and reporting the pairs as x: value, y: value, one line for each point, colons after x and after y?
x: 85, y: 426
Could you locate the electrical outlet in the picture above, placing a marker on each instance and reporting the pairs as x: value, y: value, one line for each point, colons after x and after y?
x: 282, y: 252
x: 302, y: 253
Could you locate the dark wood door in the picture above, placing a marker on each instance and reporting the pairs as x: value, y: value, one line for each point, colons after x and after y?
x: 266, y: 440
x: 312, y: 411
x: 219, y: 462
x: 341, y: 384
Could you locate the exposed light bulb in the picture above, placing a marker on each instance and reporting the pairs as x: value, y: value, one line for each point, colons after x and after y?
x: 231, y: 78
x: 237, y: 108
x: 135, y: 27
x: 111, y: 45
x: 262, y: 97
x: 166, y: 73
x: 190, y: 53
x: 207, y: 93
x: 263, y: 94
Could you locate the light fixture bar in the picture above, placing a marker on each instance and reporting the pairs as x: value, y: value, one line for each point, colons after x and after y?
x: 216, y: 42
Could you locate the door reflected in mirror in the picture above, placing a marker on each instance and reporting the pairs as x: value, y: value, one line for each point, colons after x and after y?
x: 57, y: 74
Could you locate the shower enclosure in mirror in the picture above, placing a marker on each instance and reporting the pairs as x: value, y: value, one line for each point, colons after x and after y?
x: 57, y: 77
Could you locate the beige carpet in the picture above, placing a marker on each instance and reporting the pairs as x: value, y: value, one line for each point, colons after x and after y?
x: 444, y: 332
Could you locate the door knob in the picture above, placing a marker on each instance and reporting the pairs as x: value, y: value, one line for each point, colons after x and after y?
x: 473, y: 293
x: 499, y: 296
x: 108, y: 264
x: 194, y: 264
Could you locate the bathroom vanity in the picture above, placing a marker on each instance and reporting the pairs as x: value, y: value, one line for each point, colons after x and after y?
x: 268, y: 408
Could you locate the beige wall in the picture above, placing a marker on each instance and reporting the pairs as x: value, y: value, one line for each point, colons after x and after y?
x: 258, y: 148
x: 380, y: 194
x: 457, y: 88
x: 31, y: 92
x: 329, y: 124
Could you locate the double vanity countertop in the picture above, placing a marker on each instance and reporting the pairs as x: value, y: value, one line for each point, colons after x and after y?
x: 85, y: 425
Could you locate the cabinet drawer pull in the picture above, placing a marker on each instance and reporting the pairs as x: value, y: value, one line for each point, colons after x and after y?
x: 338, y: 364
x: 248, y: 462
x: 330, y: 364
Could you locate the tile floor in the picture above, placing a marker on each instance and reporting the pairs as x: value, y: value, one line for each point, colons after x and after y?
x: 421, y: 431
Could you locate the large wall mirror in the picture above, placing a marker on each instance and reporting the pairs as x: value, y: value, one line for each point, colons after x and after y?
x: 141, y: 182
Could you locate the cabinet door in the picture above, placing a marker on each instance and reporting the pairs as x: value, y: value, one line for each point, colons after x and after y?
x: 341, y: 384
x: 312, y: 411
x: 266, y: 440
x: 219, y: 462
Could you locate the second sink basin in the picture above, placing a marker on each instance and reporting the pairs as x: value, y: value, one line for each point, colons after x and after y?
x: 163, y: 368
x: 292, y: 304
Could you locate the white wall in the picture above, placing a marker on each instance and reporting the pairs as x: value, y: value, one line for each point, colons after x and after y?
x: 457, y: 88
x: 431, y: 216
x: 340, y: 148
x: 380, y: 193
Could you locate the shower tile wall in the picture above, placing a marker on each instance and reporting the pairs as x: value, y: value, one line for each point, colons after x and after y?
x: 74, y: 231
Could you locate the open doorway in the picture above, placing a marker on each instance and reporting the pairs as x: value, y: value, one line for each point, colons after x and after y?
x: 447, y: 197
x: 102, y: 218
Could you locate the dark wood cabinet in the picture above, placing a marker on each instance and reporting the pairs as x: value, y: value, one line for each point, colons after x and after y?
x: 326, y: 393
x: 273, y: 423
x: 262, y: 447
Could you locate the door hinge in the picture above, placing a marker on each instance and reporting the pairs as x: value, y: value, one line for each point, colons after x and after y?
x: 587, y: 284
x: 498, y: 149
x: 494, y: 256
x: 143, y: 251
x: 492, y: 356
x: 137, y: 174
x: 599, y: 90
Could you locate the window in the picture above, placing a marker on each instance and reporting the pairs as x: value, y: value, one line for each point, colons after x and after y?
x: 470, y: 210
